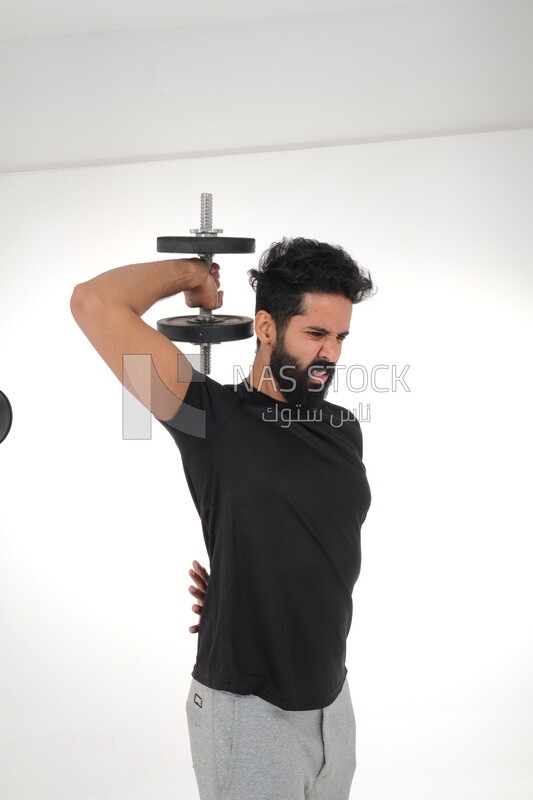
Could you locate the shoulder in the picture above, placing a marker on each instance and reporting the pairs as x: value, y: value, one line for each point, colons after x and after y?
x: 205, y: 408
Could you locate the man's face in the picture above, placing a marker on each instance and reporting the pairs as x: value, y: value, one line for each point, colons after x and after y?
x: 303, y: 359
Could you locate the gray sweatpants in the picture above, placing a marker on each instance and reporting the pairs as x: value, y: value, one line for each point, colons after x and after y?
x: 244, y: 748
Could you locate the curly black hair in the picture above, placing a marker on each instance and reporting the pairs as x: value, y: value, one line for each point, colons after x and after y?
x: 292, y: 267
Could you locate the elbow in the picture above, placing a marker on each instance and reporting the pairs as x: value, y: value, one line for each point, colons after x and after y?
x: 77, y: 300
x: 81, y: 301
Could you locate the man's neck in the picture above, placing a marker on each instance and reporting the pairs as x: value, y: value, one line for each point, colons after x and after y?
x: 261, y: 378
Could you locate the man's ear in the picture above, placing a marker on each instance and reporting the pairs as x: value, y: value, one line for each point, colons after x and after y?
x: 265, y: 328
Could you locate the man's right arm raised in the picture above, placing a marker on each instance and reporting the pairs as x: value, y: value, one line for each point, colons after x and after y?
x: 109, y: 307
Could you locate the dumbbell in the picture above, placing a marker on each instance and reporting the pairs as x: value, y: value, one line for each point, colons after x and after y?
x: 206, y: 328
x: 6, y: 416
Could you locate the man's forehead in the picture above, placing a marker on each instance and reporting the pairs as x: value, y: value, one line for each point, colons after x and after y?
x: 332, y: 307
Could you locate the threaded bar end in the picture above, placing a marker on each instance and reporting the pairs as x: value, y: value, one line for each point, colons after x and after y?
x: 206, y: 212
x: 205, y: 358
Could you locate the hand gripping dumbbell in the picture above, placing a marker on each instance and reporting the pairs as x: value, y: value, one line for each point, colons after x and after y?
x: 206, y: 328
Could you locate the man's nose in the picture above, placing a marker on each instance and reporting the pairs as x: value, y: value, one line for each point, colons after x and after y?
x: 330, y: 350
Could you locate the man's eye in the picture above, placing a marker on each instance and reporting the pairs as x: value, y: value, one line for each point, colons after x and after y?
x: 318, y: 334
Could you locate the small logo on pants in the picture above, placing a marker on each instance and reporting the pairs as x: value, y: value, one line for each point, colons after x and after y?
x: 198, y: 700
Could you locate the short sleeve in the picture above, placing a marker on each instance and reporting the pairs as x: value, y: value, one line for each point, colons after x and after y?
x: 206, y: 407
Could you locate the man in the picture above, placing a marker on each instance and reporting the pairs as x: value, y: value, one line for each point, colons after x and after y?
x: 276, y: 474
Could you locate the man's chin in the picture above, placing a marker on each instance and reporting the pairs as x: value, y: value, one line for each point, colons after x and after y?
x: 310, y: 400
x: 319, y: 391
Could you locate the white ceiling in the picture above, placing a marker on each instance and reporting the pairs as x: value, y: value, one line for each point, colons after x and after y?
x: 117, y: 81
x: 22, y: 18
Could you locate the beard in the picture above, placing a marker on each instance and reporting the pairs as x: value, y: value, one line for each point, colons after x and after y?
x: 294, y: 381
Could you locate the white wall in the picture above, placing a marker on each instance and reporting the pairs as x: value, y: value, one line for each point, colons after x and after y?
x: 97, y: 533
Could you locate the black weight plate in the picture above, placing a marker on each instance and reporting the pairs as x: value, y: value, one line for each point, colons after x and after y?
x: 223, y: 329
x: 6, y: 416
x: 204, y: 244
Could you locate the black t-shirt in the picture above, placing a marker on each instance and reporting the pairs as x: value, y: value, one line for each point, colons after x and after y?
x: 282, y: 494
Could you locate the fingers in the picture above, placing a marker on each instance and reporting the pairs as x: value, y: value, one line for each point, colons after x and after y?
x: 203, y: 295
x: 215, y: 272
x: 201, y: 570
x: 198, y: 593
x: 200, y: 576
x: 199, y: 581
